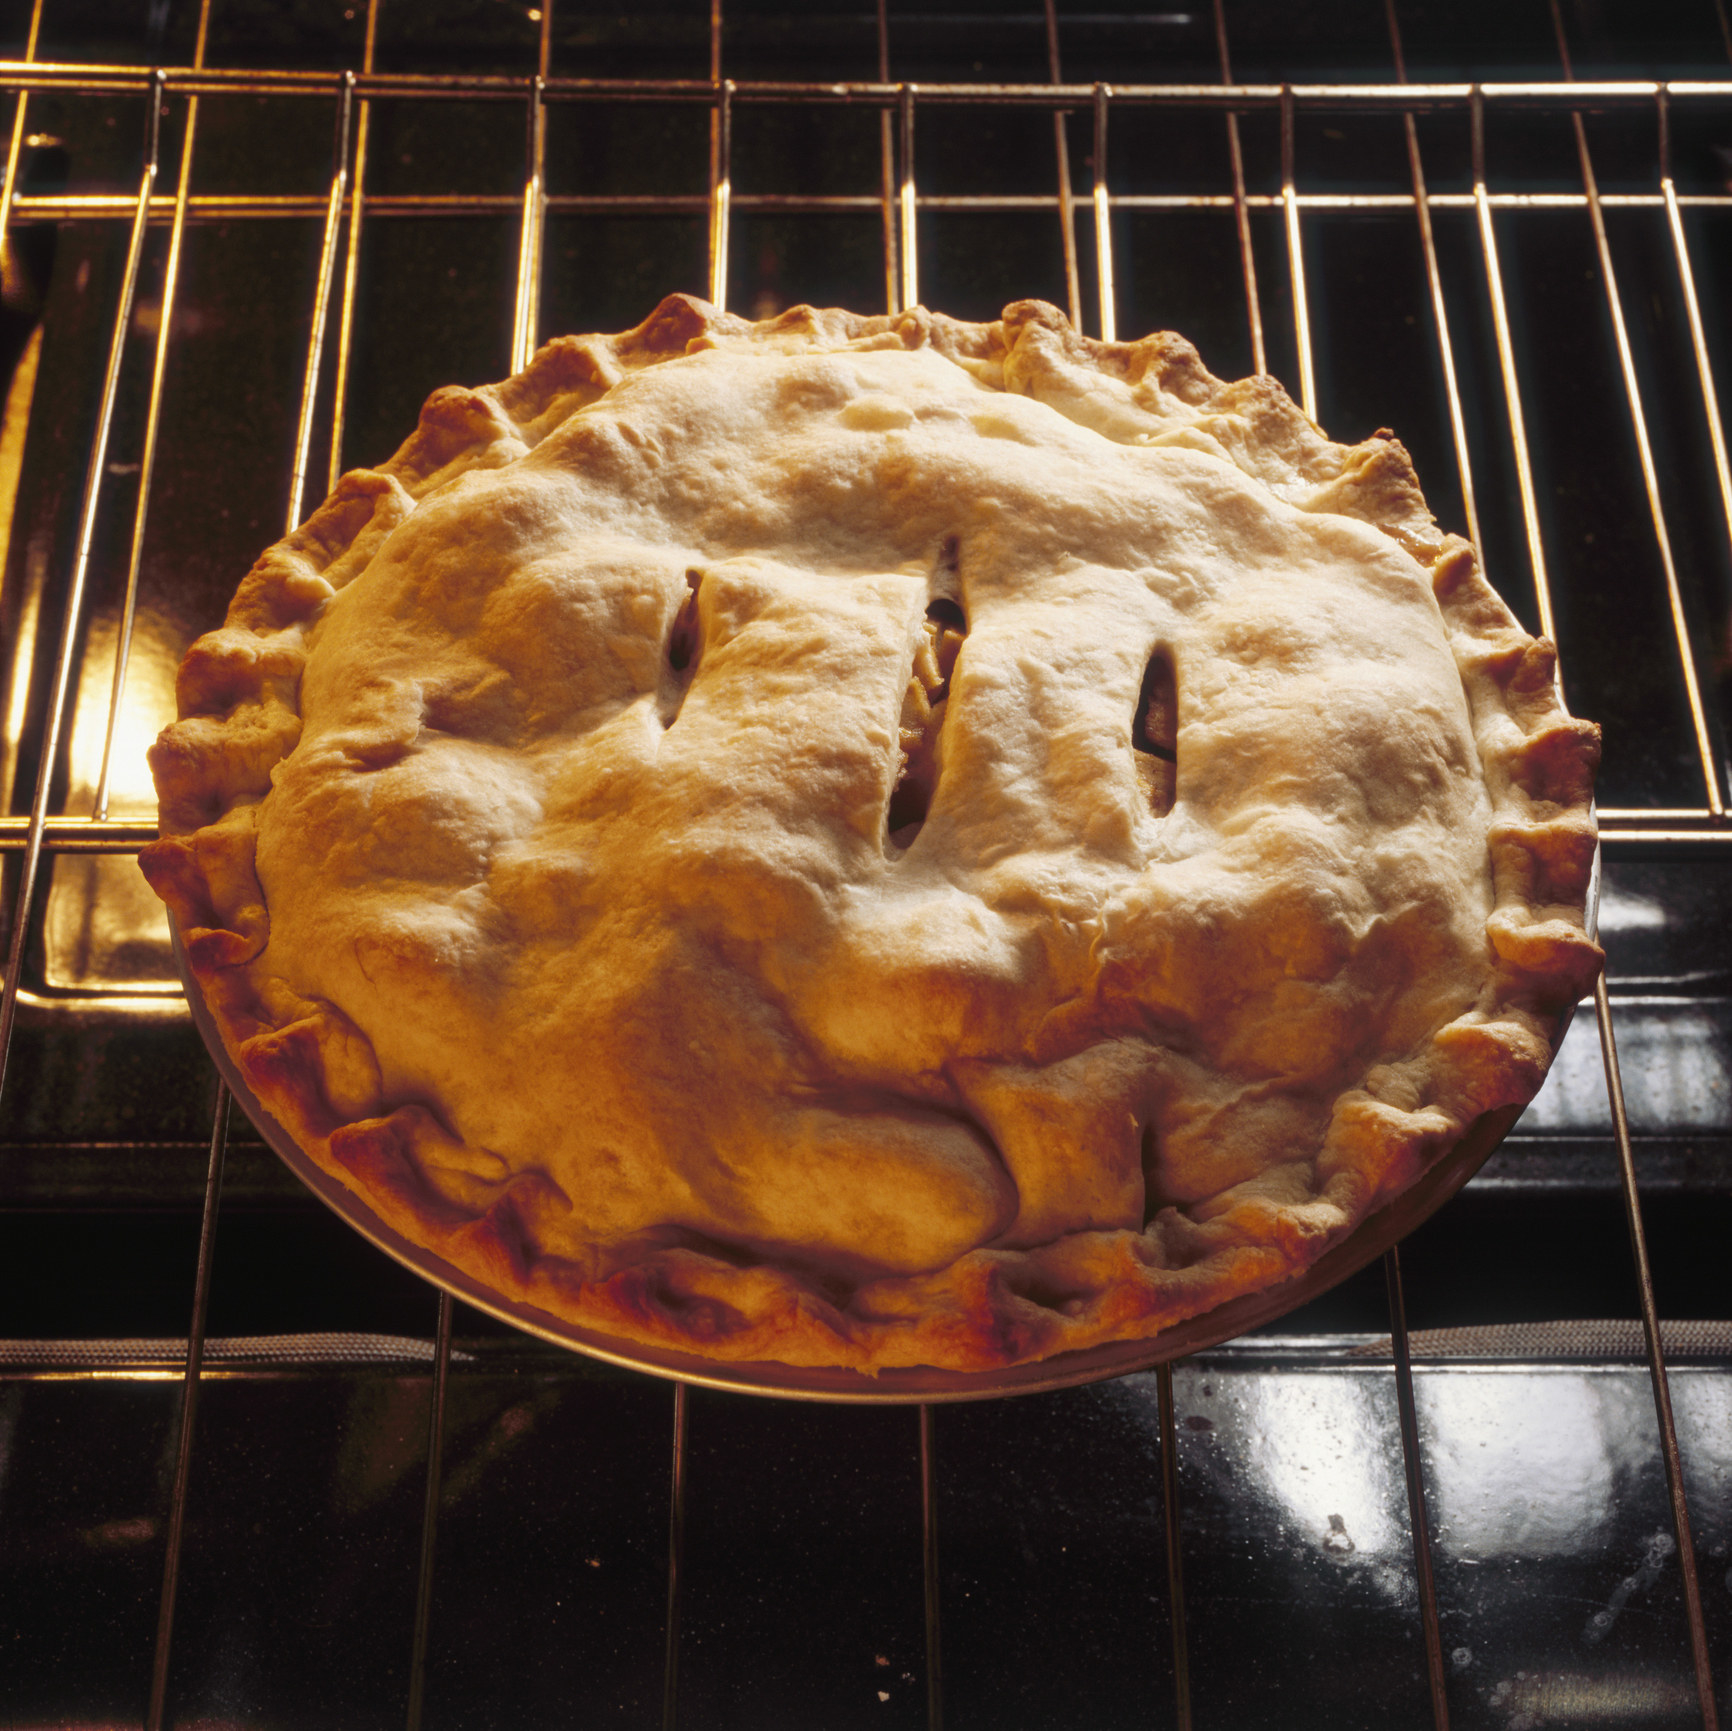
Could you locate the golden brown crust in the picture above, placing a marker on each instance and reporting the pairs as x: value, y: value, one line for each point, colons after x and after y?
x: 589, y: 963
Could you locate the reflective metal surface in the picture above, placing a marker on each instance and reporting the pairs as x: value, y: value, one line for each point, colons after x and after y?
x: 1556, y: 1573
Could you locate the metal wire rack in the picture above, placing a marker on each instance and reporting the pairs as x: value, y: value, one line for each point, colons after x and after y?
x: 1090, y: 224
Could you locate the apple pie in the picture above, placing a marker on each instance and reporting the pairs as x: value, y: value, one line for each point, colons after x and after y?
x: 876, y: 841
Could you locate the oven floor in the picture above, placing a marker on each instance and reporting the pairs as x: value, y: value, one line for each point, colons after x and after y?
x: 1557, y: 1574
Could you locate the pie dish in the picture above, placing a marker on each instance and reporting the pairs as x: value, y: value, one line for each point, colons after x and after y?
x: 876, y: 842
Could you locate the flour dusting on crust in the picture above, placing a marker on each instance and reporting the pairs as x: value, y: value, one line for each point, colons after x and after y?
x: 876, y: 841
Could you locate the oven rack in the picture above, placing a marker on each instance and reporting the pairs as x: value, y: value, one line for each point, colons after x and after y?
x: 1086, y: 219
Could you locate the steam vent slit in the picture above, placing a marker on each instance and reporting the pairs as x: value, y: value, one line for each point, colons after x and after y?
x: 1155, y: 733
x: 684, y: 642
x: 923, y: 717
x: 1153, y: 1200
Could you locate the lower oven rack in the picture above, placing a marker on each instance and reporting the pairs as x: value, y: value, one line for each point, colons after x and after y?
x: 1363, y: 1456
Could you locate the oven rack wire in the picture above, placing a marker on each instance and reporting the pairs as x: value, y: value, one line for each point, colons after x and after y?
x: 348, y: 205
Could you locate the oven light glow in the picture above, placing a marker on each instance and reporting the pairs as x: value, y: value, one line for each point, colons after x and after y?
x: 1525, y: 1465
x: 104, y: 930
x: 1318, y: 1445
x: 1703, y: 1400
x: 1624, y: 911
x: 147, y: 706
x: 1675, y: 1063
x: 12, y: 431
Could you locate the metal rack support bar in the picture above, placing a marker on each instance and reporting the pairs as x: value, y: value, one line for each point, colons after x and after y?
x: 229, y: 207
x: 1434, y: 281
x: 1104, y: 221
x: 188, y: 1418
x: 1405, y: 1407
x: 676, y: 1562
x: 1241, y: 211
x: 929, y: 1571
x: 721, y: 197
x: 1175, y: 1558
x: 1619, y: 829
x: 1066, y: 197
x: 887, y: 167
x: 1644, y: 449
x: 1535, y: 95
x: 152, y: 422
x: 538, y: 172
x: 525, y: 314
x: 715, y: 84
x: 1296, y: 261
x: 1618, y: 826
x: 1671, y: 1459
x: 1511, y: 385
x: 1415, y: 1470
x: 72, y: 612
x: 430, y: 1512
x: 910, y: 256
x: 77, y: 835
x: 352, y: 262
x: 720, y: 151
x: 1693, y: 314
x: 15, y: 149
x: 321, y: 307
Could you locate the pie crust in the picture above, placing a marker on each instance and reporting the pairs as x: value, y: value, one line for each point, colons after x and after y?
x: 876, y: 842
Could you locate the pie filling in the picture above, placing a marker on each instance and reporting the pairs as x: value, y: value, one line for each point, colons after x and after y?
x: 1155, y: 733
x: 920, y: 725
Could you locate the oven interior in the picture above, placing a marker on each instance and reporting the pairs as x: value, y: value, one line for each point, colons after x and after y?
x: 206, y: 316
